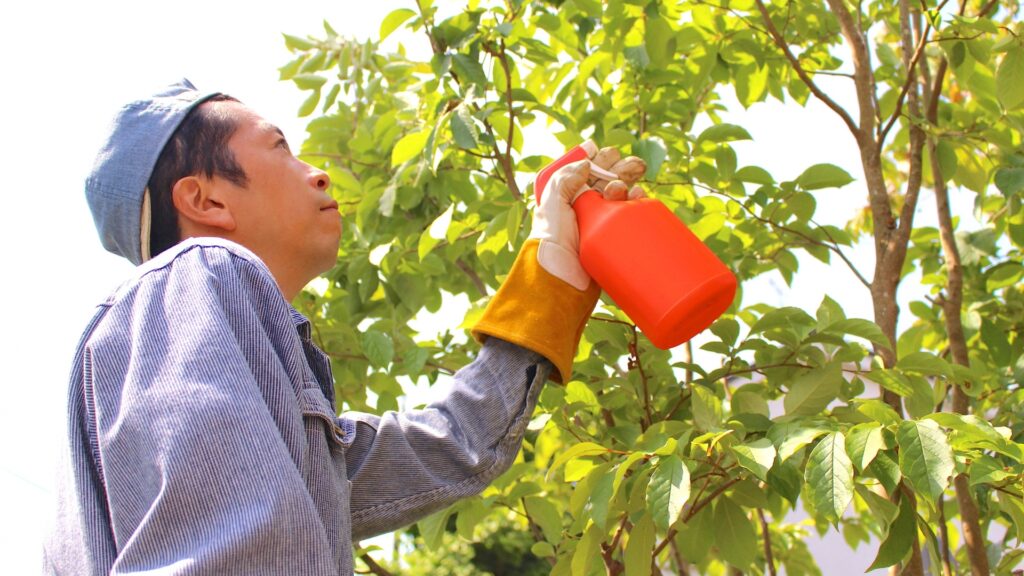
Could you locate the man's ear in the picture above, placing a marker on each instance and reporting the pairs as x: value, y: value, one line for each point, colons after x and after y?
x: 199, y: 202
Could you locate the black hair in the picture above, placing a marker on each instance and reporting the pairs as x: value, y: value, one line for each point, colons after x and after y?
x: 199, y: 146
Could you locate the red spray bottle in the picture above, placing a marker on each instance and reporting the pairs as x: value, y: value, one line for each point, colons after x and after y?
x: 654, y: 268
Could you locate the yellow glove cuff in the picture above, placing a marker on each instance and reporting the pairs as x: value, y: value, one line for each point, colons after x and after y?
x: 538, y: 311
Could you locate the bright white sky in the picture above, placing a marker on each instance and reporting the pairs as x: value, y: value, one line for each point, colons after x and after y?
x: 68, y: 65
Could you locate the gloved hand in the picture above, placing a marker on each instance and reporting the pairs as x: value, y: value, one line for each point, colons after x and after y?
x: 554, y: 222
x: 547, y: 298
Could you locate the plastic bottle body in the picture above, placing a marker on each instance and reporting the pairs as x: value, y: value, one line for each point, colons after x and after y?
x: 654, y: 268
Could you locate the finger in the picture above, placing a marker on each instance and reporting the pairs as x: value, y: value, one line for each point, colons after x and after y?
x: 615, y: 190
x: 607, y: 157
x: 630, y: 169
x: 637, y: 192
x: 599, y: 185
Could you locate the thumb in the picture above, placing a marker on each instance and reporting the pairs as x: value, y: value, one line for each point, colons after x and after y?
x: 571, y: 180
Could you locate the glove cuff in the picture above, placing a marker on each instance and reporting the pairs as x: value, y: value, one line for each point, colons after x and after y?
x: 538, y: 311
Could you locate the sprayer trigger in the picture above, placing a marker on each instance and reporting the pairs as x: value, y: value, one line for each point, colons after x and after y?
x: 601, y: 173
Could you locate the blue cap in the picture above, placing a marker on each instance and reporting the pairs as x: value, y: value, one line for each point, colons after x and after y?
x: 116, y: 189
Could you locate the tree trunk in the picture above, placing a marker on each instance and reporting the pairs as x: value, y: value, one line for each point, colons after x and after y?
x: 974, y: 539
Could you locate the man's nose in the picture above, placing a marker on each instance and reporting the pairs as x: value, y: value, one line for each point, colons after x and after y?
x: 319, y: 179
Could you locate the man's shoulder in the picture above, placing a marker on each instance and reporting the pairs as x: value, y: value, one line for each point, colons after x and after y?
x: 202, y: 259
x: 196, y: 278
x: 203, y: 252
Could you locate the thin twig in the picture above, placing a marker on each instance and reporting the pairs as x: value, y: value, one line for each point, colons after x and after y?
x: 911, y: 77
x: 693, y: 512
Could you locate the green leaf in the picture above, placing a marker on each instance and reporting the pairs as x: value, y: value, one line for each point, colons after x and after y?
x: 432, y: 528
x: 829, y: 476
x: 469, y: 68
x: 309, y: 104
x: 901, y: 536
x: 787, y: 317
x: 1010, y: 78
x: 463, y: 128
x: 1014, y: 508
x: 393, y: 20
x: 410, y: 146
x: 787, y: 480
x: 723, y: 133
x: 577, y: 391
x: 544, y: 514
x: 707, y: 408
x: 637, y: 56
x: 859, y: 327
x: 696, y: 535
x: 653, y: 153
x: 754, y: 175
x: 435, y: 232
x: 878, y: 411
x: 587, y: 551
x: 789, y: 437
x: 471, y: 512
x: 892, y: 380
x: 542, y: 550
x: 812, y: 391
x: 988, y: 470
x: 378, y: 347
x: 734, y: 534
x: 623, y: 469
x: 668, y: 491
x: 309, y: 81
x: 823, y: 176
x: 886, y: 470
x: 863, y: 443
x: 577, y: 451
x: 1010, y: 181
x: 640, y: 548
x: 757, y: 456
x: 926, y: 459
x: 296, y: 43
x: 925, y: 363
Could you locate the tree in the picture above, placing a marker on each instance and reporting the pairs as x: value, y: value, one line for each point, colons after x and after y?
x: 651, y: 461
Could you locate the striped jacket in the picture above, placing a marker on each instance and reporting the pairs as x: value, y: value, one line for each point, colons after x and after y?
x: 203, y: 436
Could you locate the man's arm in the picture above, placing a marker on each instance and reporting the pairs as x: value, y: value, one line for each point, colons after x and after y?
x: 405, y: 465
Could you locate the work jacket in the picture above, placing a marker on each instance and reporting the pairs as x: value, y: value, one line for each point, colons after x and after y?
x: 203, y: 432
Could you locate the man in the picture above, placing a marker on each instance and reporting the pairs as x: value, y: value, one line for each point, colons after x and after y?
x: 203, y: 435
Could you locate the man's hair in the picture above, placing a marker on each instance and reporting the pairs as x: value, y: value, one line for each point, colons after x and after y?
x: 198, y: 147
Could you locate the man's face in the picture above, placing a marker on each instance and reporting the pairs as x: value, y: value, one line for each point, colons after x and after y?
x: 285, y: 214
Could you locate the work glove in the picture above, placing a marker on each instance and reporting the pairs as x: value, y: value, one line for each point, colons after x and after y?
x: 545, y: 301
x: 554, y: 221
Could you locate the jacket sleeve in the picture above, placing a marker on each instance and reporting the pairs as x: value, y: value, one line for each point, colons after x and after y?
x: 197, y: 474
x: 406, y: 465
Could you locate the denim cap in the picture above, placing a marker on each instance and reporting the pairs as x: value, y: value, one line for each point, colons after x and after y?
x: 116, y: 189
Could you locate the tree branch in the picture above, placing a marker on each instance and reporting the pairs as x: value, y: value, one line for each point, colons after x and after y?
x: 864, y: 80
x: 834, y: 247
x: 504, y: 161
x: 767, y: 542
x: 473, y: 276
x: 373, y: 566
x: 799, y: 69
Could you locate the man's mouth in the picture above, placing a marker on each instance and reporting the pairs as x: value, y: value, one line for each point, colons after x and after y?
x: 330, y: 206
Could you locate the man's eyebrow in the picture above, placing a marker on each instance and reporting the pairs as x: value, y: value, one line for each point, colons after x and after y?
x: 280, y: 135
